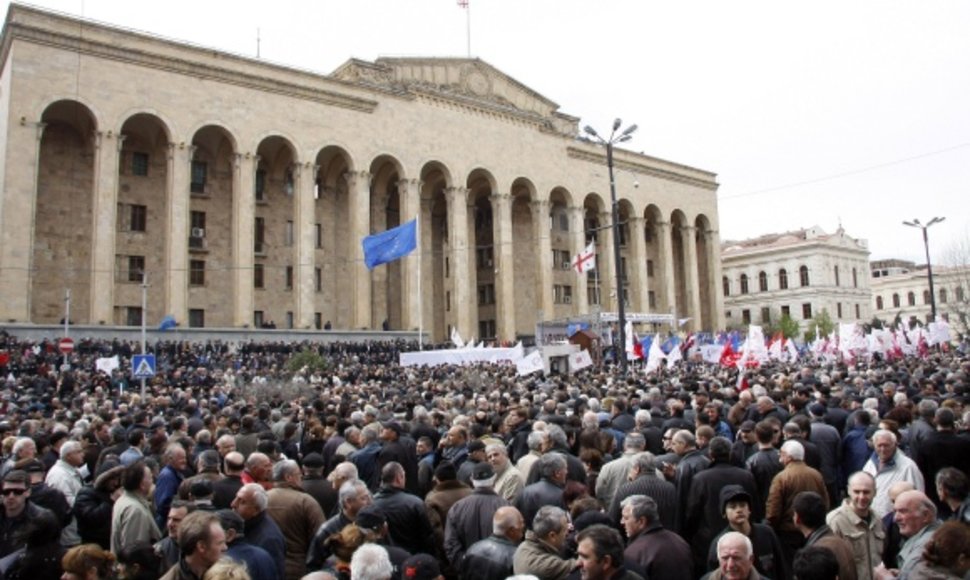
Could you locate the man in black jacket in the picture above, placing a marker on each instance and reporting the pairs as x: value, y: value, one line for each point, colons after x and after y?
x: 492, y: 557
x: 406, y: 514
x: 552, y: 470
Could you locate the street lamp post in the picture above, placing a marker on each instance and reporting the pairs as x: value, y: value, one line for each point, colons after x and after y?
x: 615, y: 137
x: 929, y: 268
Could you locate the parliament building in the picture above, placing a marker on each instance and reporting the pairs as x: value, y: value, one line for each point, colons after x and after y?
x: 237, y: 193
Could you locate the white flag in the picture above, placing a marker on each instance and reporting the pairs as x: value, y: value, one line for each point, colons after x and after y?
x: 456, y: 338
x: 529, y: 364
x: 656, y: 355
x: 586, y: 260
x: 107, y: 364
x: 579, y: 360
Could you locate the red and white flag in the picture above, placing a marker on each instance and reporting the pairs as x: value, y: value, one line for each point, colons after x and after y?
x: 586, y: 260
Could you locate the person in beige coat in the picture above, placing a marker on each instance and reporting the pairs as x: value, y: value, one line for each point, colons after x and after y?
x: 296, y: 513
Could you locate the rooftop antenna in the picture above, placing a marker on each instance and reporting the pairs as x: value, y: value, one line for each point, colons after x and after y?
x: 257, y: 42
x: 468, y: 25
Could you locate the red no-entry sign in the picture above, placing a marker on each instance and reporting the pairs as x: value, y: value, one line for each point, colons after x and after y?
x: 66, y: 345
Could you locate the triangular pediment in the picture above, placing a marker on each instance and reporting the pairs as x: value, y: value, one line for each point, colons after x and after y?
x: 469, y: 78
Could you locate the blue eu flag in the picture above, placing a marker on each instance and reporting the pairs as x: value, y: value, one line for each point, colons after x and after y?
x: 390, y: 245
x: 168, y: 323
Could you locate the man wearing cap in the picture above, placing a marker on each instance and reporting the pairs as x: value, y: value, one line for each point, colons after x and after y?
x: 855, y: 521
x: 769, y: 558
x: 296, y: 513
x: 470, y: 519
x: 476, y: 456
x: 93, y: 505
x: 492, y: 558
x: 446, y: 493
x: 421, y: 567
x: 406, y: 514
x: 257, y: 560
x: 398, y: 446
x: 318, y: 486
x: 745, y: 445
x: 372, y: 524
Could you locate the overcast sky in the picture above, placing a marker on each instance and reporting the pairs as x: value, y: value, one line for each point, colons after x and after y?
x: 811, y: 113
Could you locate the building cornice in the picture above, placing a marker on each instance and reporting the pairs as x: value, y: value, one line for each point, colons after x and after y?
x: 646, y: 165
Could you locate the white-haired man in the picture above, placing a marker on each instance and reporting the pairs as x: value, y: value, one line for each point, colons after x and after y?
x: 371, y: 562
x: 65, y: 477
x: 735, y: 558
x: 888, y: 465
x: 794, y: 478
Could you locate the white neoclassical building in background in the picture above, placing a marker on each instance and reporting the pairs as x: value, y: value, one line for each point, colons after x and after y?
x: 242, y: 190
x: 798, y: 273
x: 901, y: 289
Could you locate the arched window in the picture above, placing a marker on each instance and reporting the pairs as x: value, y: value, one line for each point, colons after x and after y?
x: 959, y: 293
x: 942, y: 295
x: 763, y: 281
x: 783, y: 279
x: 895, y: 300
x: 926, y: 296
x: 836, y: 275
x: 911, y: 298
x: 744, y: 283
x: 727, y: 285
x: 878, y: 302
x: 855, y: 278
x: 803, y: 275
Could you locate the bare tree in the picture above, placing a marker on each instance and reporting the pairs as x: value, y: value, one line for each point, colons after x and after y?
x: 956, y: 277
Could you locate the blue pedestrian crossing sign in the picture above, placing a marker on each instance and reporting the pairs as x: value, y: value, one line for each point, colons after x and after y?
x: 143, y: 366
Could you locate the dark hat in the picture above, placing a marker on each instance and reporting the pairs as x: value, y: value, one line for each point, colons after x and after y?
x: 30, y: 466
x: 420, y: 567
x: 446, y: 471
x: 230, y: 520
x: 394, y: 426
x: 476, y: 445
x: 313, y: 460
x: 817, y: 409
x: 201, y: 489
x: 483, y: 471
x: 747, y: 426
x: 731, y: 493
x: 370, y: 518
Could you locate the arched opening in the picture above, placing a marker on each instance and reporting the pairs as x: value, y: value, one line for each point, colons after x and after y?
x: 275, y: 274
x: 657, y: 299
x: 705, y: 274
x: 565, y: 281
x: 333, y: 267
x: 438, y: 307
x: 597, y: 288
x: 526, y: 263
x: 387, y: 281
x: 678, y: 224
x: 484, y: 254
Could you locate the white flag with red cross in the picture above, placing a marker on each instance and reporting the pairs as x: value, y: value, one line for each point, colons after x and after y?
x: 586, y: 260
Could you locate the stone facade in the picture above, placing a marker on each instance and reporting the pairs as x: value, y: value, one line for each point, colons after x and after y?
x: 801, y: 273
x: 901, y: 289
x: 242, y: 191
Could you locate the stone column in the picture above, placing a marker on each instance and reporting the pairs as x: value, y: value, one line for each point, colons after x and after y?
x: 17, y: 216
x: 691, y: 279
x: 577, y: 230
x: 380, y: 275
x: 604, y: 259
x: 243, y: 236
x: 425, y: 240
x: 665, y: 251
x: 177, y: 242
x: 409, y: 194
x: 461, y: 274
x: 542, y: 227
x: 358, y: 188
x: 107, y: 153
x: 305, y: 243
x: 640, y: 297
x: 716, y: 294
x: 505, y: 264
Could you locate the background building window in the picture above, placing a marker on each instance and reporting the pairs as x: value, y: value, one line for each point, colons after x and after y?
x: 836, y: 275
x: 765, y: 315
x: 136, y: 268
x: 258, y: 276
x: 318, y: 279
x: 138, y: 218
x: 786, y: 311
x: 726, y: 285
x: 895, y: 300
x: 879, y: 304
x: 763, y: 281
x: 199, y: 170
x: 911, y: 298
x: 783, y: 279
x: 139, y: 164
x: 744, y: 283
x: 197, y: 272
x: 746, y: 316
x: 196, y: 318
x: 133, y: 316
x: 803, y: 275
x: 807, y: 311
x: 289, y: 278
x: 258, y: 319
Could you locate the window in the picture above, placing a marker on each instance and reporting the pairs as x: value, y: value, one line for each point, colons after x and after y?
x: 803, y: 275
x: 836, y: 275
x: 895, y: 300
x: 623, y: 274
x: 960, y: 295
x: 562, y: 294
x: 288, y: 284
x: 592, y: 294
x: 943, y: 296
x: 858, y: 312
x: 484, y: 258
x: 838, y: 310
x: 136, y: 268
x: 486, y: 329
x: 138, y: 218
x: 197, y: 272
x: 783, y: 279
x: 726, y: 286
x: 624, y: 231
x: 199, y: 170
x: 652, y: 299
x: 447, y: 267
x: 258, y: 280
x: 763, y: 281
x: 133, y: 316
x: 259, y: 236
x: 911, y: 298
x: 139, y: 164
x: 786, y: 311
x: 746, y: 316
x: 744, y: 283
x: 879, y: 304
x: 196, y: 318
x: 855, y: 279
x: 318, y: 279
x: 562, y: 219
x: 560, y: 260
x: 765, y: 315
x: 807, y: 311
x: 318, y: 233
x: 258, y: 319
x: 197, y: 221
x: 318, y: 320
x: 448, y: 302
x: 486, y: 294
x: 289, y: 319
x: 288, y: 234
x: 648, y: 233
x: 649, y: 268
x: 260, y: 185
x: 926, y: 296
x: 288, y: 186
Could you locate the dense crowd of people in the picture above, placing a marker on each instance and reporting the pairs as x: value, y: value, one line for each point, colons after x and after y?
x: 233, y: 463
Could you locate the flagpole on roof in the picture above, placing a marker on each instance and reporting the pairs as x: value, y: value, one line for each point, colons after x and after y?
x: 420, y: 295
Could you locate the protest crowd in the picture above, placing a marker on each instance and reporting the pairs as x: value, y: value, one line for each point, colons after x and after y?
x: 232, y: 465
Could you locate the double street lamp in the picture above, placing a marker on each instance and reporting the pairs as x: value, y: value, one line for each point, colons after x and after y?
x: 929, y: 269
x: 624, y: 135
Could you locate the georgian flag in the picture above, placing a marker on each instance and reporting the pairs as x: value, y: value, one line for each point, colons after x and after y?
x: 586, y: 260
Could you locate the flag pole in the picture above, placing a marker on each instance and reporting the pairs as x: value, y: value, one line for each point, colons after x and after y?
x: 420, y: 295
